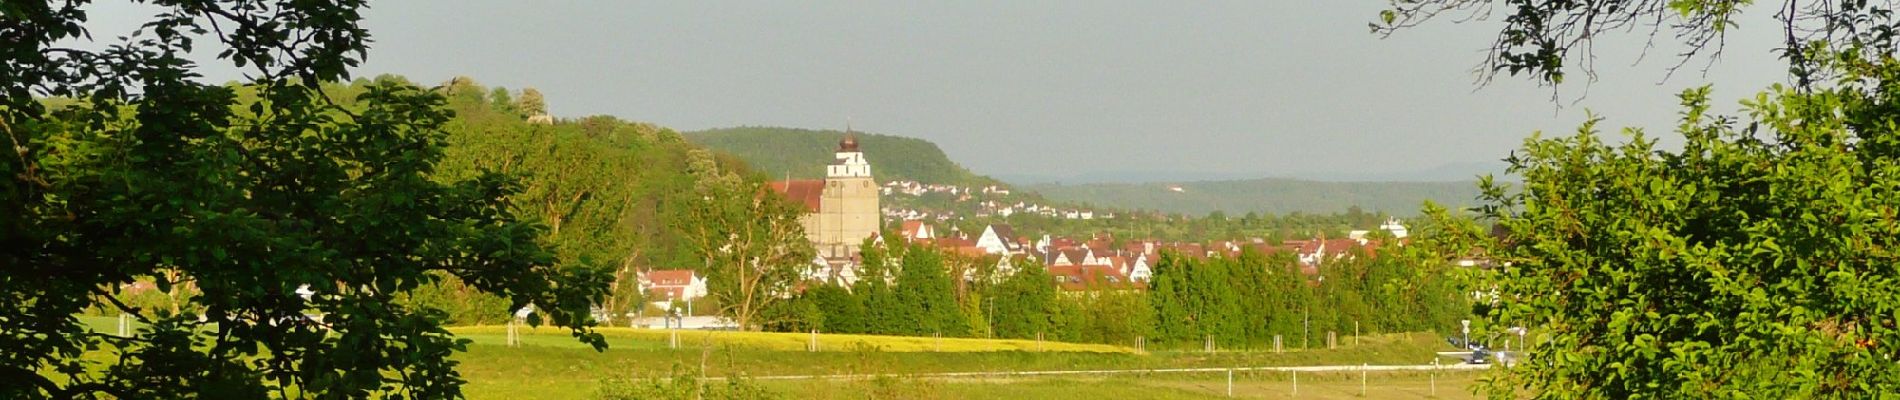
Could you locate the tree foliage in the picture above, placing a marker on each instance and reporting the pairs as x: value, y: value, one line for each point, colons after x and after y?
x: 750, y: 239
x: 1754, y: 261
x: 1244, y: 301
x: 1546, y: 39
x: 242, y: 194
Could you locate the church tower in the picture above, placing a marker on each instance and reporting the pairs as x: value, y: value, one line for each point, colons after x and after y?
x: 849, y: 211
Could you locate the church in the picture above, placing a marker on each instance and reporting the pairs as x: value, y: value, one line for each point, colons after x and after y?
x: 842, y: 210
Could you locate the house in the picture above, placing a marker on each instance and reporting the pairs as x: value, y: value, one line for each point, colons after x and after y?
x: 665, y: 286
x: 1139, y: 269
x: 917, y: 230
x: 998, y: 239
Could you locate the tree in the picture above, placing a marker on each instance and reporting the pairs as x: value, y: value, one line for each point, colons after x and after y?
x: 125, y: 168
x: 1753, y: 262
x: 500, y: 100
x: 927, y: 297
x: 753, y: 248
x: 843, y: 312
x: 882, y: 312
x: 531, y: 103
x: 1024, y: 301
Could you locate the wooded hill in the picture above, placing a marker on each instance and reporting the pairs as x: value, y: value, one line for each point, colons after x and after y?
x: 615, y: 196
x: 1271, y: 195
x: 803, y: 153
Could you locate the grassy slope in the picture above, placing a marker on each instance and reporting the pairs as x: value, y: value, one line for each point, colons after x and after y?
x: 803, y: 153
x: 1279, y: 196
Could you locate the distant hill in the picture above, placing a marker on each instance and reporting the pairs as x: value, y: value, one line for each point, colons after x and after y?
x: 1460, y: 171
x: 1273, y: 195
x: 803, y: 153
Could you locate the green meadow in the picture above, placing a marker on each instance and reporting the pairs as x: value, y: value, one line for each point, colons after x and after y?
x: 549, y: 364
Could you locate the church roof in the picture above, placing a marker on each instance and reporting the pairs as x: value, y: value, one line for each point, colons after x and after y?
x: 850, y: 142
x: 803, y: 191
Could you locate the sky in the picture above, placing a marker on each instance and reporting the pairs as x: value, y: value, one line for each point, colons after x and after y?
x: 1055, y: 88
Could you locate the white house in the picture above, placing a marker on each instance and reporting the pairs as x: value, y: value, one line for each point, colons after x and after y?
x: 998, y: 239
x: 667, y: 285
x: 1138, y: 269
x: 1392, y: 225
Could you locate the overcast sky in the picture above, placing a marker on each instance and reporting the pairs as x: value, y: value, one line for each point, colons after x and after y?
x: 1051, y: 88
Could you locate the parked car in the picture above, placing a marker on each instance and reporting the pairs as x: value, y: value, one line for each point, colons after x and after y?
x: 1479, y: 355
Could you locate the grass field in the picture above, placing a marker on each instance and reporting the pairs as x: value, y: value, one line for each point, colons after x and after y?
x: 552, y: 365
x: 549, y: 364
x: 659, y: 339
x: 1335, y: 386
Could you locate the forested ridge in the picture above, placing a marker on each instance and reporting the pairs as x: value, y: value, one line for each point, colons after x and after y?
x: 803, y: 154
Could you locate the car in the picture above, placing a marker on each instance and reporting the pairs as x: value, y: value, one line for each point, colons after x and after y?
x: 1479, y: 355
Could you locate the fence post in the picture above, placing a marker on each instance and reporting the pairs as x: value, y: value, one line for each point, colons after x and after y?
x: 1362, y: 380
x: 1141, y: 344
x: 939, y: 337
x: 124, y: 325
x: 1230, y: 382
x: 1276, y: 344
x: 814, y: 341
x: 1332, y: 340
x: 1296, y: 383
x: 1434, y: 376
x: 511, y: 333
x: 1355, y: 332
x: 1038, y: 341
x: 674, y: 341
x: 1210, y: 343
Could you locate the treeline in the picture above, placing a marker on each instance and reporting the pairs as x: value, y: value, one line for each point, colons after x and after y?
x: 1239, y: 302
x: 925, y: 293
x: 1245, y: 301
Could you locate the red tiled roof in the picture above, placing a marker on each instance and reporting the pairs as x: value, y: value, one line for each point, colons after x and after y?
x: 951, y: 243
x: 912, y: 228
x: 1340, y: 246
x: 803, y: 191
x: 1086, y: 277
x: 970, y: 251
x: 670, y: 277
